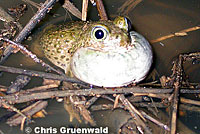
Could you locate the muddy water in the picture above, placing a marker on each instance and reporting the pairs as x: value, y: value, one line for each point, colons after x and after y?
x: 153, y: 19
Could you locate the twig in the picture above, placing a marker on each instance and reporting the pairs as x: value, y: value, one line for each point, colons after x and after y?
x: 178, y: 79
x: 189, y: 101
x: 40, y: 88
x: 22, y: 124
x: 127, y: 104
x: 140, y: 104
x: 132, y: 6
x: 83, y: 111
x: 137, y: 102
x: 156, y: 109
x: 72, y: 9
x: 31, y: 55
x: 27, y: 29
x: 28, y: 111
x: 116, y: 102
x: 155, y: 121
x: 128, y: 6
x: 136, y: 115
x: 18, y: 84
x: 101, y: 107
x: 101, y: 10
x: 84, y: 10
x: 73, y: 80
x: 85, y: 92
x: 39, y: 74
x: 161, y: 96
x: 190, y: 108
x: 91, y: 101
x: 180, y: 33
x: 32, y: 3
x: 8, y: 106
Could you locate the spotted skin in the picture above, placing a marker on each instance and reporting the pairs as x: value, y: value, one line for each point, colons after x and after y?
x: 60, y: 42
x: 102, y: 53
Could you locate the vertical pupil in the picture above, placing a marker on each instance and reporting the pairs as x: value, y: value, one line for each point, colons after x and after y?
x: 99, y: 34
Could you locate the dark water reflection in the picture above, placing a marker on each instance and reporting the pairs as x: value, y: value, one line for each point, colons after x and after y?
x: 153, y: 19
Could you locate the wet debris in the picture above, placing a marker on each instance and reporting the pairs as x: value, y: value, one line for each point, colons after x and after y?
x: 18, y: 11
x: 18, y: 84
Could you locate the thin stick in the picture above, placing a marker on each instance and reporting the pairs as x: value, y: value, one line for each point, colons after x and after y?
x: 27, y: 29
x: 84, y: 10
x: 31, y: 55
x: 39, y: 74
x: 178, y: 71
x: 189, y: 101
x: 28, y: 111
x: 128, y: 6
x: 8, y: 106
x: 91, y: 101
x: 132, y: 6
x: 161, y: 96
x: 180, y: 33
x: 22, y: 124
x: 85, y: 92
x: 72, y: 9
x: 40, y: 88
x: 135, y: 114
x: 52, y: 76
x: 101, y: 10
x: 155, y: 121
x: 32, y: 3
x: 20, y: 82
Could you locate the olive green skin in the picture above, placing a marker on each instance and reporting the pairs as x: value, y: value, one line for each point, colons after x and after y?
x: 117, y: 59
x: 60, y: 42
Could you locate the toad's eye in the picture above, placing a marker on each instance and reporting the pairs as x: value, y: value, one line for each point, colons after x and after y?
x: 99, y: 33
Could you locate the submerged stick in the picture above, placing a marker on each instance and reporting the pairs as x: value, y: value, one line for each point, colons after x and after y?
x: 27, y: 29
x: 32, y: 3
x: 91, y: 101
x: 180, y: 33
x: 136, y: 115
x: 24, y: 97
x: 18, y: 84
x: 5, y: 104
x: 31, y: 55
x: 189, y: 101
x: 40, y: 88
x: 128, y: 6
x: 39, y: 74
x: 165, y: 127
x: 28, y: 111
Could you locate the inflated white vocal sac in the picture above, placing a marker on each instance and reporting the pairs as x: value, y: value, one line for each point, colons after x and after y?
x: 114, y: 68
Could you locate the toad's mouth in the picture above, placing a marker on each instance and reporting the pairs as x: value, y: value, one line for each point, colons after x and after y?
x: 113, y: 68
